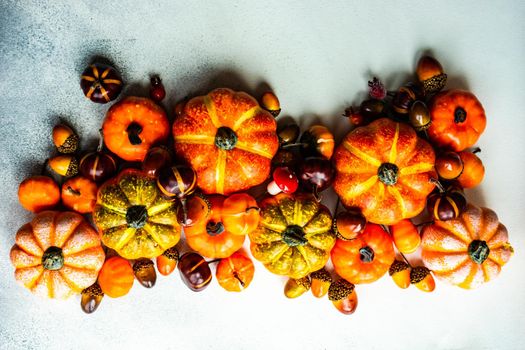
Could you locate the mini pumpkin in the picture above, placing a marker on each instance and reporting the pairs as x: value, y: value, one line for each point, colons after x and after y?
x: 473, y: 170
x: 134, y: 218
x: 294, y: 236
x: 38, y: 193
x: 235, y: 273
x: 223, y: 230
x: 116, y: 277
x: 366, y: 258
x: 458, y: 119
x: 228, y: 139
x: 384, y: 169
x: 467, y: 251
x: 57, y: 254
x: 79, y: 194
x: 132, y: 126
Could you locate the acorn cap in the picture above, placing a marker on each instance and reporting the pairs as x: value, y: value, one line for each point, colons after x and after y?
x: 171, y: 253
x: 418, y: 273
x: 142, y: 264
x: 340, y: 289
x: 93, y: 290
x: 321, y: 275
x: 296, y: 287
x: 397, y: 266
x: 64, y: 165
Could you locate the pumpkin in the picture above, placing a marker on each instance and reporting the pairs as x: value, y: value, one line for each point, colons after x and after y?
x: 57, y: 254
x: 294, y: 236
x: 132, y: 126
x: 473, y: 170
x: 235, y: 273
x: 366, y: 258
x: 406, y: 236
x: 116, y: 277
x: 79, y: 194
x: 134, y: 218
x: 458, y: 119
x: 228, y: 139
x: 38, y: 193
x: 467, y: 251
x: 223, y: 231
x: 384, y: 169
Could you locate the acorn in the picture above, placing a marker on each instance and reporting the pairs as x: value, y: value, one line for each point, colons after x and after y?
x: 321, y: 281
x: 270, y: 102
x: 64, y: 165
x: 400, y: 273
x: 419, y: 116
x: 167, y: 261
x: 347, y: 225
x: 65, y: 139
x: 430, y: 74
x: 145, y: 272
x: 288, y: 133
x: 372, y: 108
x: 404, y: 97
x: 90, y: 298
x: 449, y: 165
x: 421, y: 277
x: 296, y: 287
x: 343, y: 295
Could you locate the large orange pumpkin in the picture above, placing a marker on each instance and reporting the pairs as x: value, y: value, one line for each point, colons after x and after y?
x: 57, y: 254
x: 384, y: 169
x: 132, y: 126
x: 467, y: 251
x: 228, y: 139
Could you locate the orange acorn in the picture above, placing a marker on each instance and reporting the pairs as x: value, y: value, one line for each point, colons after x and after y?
x: 38, y: 193
x: 270, y: 102
x: 421, y: 277
x: 167, y: 261
x: 430, y: 74
x: 65, y: 139
x: 343, y: 295
x: 296, y: 287
x: 400, y: 273
x: 406, y: 236
x: 64, y: 165
x: 321, y: 281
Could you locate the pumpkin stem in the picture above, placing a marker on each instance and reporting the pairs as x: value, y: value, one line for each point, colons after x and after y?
x: 406, y: 260
x: 388, y: 173
x: 438, y: 185
x: 137, y: 216
x: 366, y: 254
x: 214, y: 228
x: 460, y: 115
x: 252, y: 208
x: 100, y: 141
x: 53, y: 259
x: 225, y: 138
x: 236, y: 276
x: 73, y: 191
x: 297, y: 144
x: 476, y: 150
x: 478, y: 251
x: 293, y: 235
x: 133, y: 130
x: 184, y: 209
x: 316, y: 194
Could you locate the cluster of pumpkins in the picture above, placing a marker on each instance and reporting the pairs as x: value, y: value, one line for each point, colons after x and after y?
x: 148, y: 182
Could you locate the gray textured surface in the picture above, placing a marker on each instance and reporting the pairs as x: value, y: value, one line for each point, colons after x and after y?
x: 318, y: 59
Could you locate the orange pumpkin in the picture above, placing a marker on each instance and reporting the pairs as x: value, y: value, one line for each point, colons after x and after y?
x: 467, y: 251
x: 57, y: 254
x: 38, y: 193
x: 132, y: 126
x: 473, y: 170
x: 224, y: 229
x: 228, y: 139
x: 365, y: 258
x: 79, y: 194
x: 458, y: 119
x: 235, y: 273
x: 384, y: 169
x: 406, y: 236
x: 116, y: 277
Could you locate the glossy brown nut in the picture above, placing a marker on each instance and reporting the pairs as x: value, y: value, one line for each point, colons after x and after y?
x: 157, y: 158
x: 194, y: 271
x: 98, y: 166
x: 449, y: 165
x: 372, y: 108
x: 178, y: 181
x: 288, y: 133
x: 101, y: 83
x: 419, y: 116
x: 348, y: 225
x: 404, y: 97
x: 446, y: 206
x: 316, y: 174
x: 285, y: 158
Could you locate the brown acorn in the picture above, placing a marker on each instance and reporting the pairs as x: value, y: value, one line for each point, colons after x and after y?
x: 90, y: 298
x: 101, y: 83
x: 64, y: 165
x: 288, y: 133
x: 343, y: 295
x: 296, y: 287
x: 145, y: 272
x: 347, y: 225
x: 430, y: 74
x: 419, y: 116
x: 421, y: 277
x: 449, y: 165
x: 372, y: 108
x: 400, y: 273
x: 270, y: 102
x: 65, y: 139
x: 321, y: 281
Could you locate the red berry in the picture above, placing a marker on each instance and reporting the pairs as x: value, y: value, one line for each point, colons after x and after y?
x: 157, y: 91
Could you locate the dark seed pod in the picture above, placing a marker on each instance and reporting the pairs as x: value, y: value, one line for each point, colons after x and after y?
x: 446, y: 204
x: 194, y: 271
x: 101, y: 83
x: 372, y: 108
x: 157, y: 91
x: 178, y: 181
x: 285, y: 158
x: 98, y: 166
x: 156, y: 159
x: 288, y: 133
x: 404, y: 97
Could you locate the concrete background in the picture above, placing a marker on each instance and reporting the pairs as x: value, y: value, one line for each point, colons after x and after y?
x: 317, y: 57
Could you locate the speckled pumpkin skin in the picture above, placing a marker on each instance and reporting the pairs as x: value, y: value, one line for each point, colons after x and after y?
x: 358, y: 159
x: 226, y: 171
x: 81, y: 249
x: 133, y: 188
x: 278, y: 213
x: 445, y: 247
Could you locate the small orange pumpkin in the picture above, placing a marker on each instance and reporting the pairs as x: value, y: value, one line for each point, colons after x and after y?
x: 366, y: 258
x: 57, y: 254
x: 235, y: 273
x: 458, y: 119
x: 79, y: 194
x: 467, y: 251
x: 38, y: 193
x: 228, y: 139
x: 116, y: 277
x: 224, y: 229
x: 473, y: 170
x: 132, y: 126
x: 406, y: 236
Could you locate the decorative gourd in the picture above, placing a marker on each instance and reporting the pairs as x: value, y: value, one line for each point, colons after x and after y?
x: 366, y: 258
x: 235, y: 273
x: 38, y: 193
x: 116, y: 277
x: 294, y: 236
x: 473, y: 170
x: 406, y: 236
x: 132, y: 126
x: 222, y: 232
x: 79, y: 194
x: 228, y: 139
x: 134, y: 218
x: 458, y: 119
x: 384, y: 169
x: 467, y: 251
x: 57, y: 254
